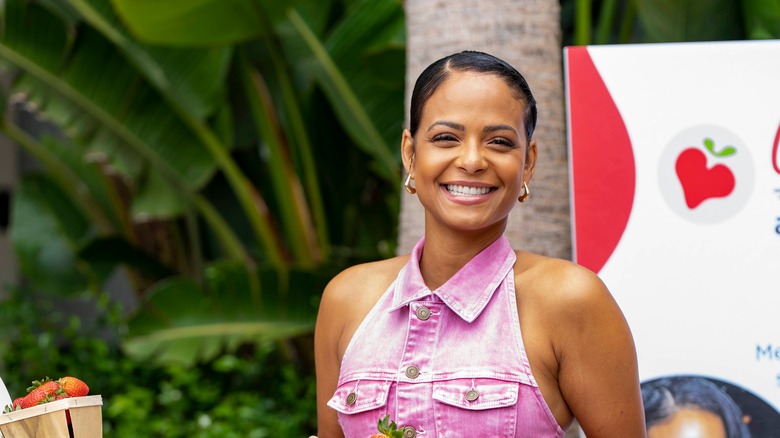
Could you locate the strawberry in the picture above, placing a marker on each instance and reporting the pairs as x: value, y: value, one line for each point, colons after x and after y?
x: 74, y: 387
x: 15, y: 406
x: 387, y: 428
x: 41, y: 392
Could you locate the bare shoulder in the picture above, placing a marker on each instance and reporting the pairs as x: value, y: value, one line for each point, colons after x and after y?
x: 349, y: 297
x: 559, y: 283
x: 580, y: 346
x: 365, y: 280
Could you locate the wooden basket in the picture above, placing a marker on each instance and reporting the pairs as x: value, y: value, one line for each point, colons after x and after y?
x: 49, y: 420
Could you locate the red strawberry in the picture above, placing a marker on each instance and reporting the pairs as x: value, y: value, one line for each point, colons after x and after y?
x: 74, y: 387
x: 44, y: 392
x: 15, y: 406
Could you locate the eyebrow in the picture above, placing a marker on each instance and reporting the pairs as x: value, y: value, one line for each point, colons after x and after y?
x: 460, y: 127
x: 494, y: 128
x: 453, y: 125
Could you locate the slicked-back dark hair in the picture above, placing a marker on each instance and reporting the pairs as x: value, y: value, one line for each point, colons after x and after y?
x: 435, y: 74
x: 664, y: 397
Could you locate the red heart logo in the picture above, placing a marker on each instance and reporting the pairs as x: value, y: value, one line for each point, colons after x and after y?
x: 700, y: 183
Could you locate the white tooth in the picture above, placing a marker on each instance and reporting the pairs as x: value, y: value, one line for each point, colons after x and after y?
x: 459, y: 190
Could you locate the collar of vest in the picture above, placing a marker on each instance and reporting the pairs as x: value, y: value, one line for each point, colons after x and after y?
x: 468, y: 291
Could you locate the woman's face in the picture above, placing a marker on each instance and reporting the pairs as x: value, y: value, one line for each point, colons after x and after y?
x: 470, y: 153
x: 689, y: 423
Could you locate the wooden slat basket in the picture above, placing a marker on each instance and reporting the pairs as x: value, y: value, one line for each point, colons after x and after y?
x: 49, y: 420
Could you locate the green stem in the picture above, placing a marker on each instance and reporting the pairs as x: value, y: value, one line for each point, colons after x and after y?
x: 606, y: 21
x: 304, y: 149
x: 290, y: 199
x: 626, y: 32
x: 252, y: 203
x: 582, y: 22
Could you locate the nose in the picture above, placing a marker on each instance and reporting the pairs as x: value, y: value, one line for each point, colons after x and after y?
x: 471, y: 158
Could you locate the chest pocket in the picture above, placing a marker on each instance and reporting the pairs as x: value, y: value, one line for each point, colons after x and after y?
x: 475, y: 407
x: 360, y: 404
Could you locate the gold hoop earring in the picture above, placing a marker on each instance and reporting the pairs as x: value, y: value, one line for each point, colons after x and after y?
x: 526, y: 194
x: 408, y: 185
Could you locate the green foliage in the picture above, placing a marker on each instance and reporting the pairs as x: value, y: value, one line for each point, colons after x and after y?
x: 261, y: 390
x: 225, y: 154
x: 649, y: 21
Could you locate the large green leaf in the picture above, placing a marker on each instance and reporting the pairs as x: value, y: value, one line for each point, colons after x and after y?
x: 191, y: 22
x: 350, y: 110
x: 46, y: 233
x: 690, y: 20
x: 369, y: 46
x: 191, y: 78
x: 105, y: 88
x: 183, y: 322
x: 762, y: 18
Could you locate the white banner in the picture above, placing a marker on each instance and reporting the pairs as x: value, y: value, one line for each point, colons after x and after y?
x: 676, y: 205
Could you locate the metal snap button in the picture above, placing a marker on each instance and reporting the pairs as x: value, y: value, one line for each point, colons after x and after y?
x: 409, y: 432
x: 423, y: 313
x: 412, y: 372
x: 472, y: 395
x: 351, y: 398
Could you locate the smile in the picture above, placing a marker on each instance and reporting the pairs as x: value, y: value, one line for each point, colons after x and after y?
x: 459, y: 190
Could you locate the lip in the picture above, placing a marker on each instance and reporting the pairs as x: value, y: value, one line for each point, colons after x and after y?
x: 467, y: 183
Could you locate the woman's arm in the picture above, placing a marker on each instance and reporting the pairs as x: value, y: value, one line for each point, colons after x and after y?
x: 326, y: 339
x: 598, y: 374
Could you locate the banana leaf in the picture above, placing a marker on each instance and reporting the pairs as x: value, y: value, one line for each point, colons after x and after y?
x: 193, y: 79
x: 372, y: 113
x: 762, y: 18
x: 351, y: 108
x: 690, y: 20
x: 198, y: 22
x: 183, y: 322
x: 87, y: 71
x: 47, y: 232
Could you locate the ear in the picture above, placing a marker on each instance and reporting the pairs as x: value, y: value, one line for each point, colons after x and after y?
x: 407, y: 151
x: 530, y: 161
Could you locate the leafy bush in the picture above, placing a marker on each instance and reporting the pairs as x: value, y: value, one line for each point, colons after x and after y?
x: 255, y: 391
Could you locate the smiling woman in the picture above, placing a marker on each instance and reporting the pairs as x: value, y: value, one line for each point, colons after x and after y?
x: 466, y: 336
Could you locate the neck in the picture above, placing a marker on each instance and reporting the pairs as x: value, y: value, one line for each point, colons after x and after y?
x: 447, y: 251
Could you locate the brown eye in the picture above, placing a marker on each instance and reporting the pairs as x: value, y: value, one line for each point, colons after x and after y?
x: 444, y: 138
x: 503, y: 142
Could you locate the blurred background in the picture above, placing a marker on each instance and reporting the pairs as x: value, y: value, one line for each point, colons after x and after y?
x: 179, y: 179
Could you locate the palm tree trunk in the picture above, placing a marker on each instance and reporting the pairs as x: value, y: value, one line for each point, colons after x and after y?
x: 527, y: 34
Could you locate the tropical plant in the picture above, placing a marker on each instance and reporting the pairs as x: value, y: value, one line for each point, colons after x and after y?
x: 228, y: 155
x: 653, y: 21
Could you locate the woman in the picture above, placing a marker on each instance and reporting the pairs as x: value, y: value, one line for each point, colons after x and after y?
x: 690, y: 406
x: 466, y: 337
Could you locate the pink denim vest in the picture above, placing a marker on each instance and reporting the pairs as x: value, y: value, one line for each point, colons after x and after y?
x: 444, y: 363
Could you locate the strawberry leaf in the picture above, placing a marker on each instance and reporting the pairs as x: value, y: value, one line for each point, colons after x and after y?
x: 710, y: 145
x: 727, y: 151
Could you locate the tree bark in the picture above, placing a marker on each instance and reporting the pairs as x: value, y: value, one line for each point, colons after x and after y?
x: 527, y: 34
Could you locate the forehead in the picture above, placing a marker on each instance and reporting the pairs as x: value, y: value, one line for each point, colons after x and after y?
x: 469, y: 93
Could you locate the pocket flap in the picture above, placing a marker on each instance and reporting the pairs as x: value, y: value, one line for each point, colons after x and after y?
x: 360, y: 396
x: 476, y: 394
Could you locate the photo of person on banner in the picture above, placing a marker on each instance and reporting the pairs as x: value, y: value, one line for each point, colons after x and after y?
x: 687, y: 406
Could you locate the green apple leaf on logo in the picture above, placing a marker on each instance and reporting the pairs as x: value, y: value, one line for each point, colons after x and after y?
x: 725, y: 152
